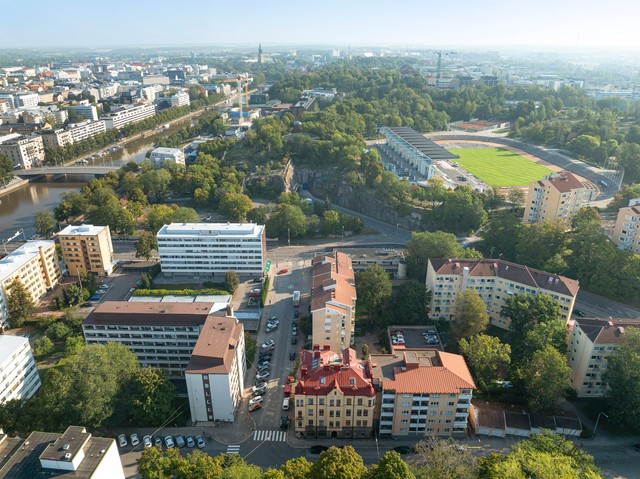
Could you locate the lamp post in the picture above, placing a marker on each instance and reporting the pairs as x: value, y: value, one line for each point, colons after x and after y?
x: 375, y: 434
x: 289, y: 236
x: 342, y: 232
x: 597, y: 421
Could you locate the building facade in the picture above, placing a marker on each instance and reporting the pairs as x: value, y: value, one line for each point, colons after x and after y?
x: 334, y: 395
x: 591, y: 342
x: 159, y: 155
x: 120, y: 117
x: 36, y: 265
x: 88, y: 111
x: 212, y: 249
x: 20, y: 378
x: 626, y: 233
x: 24, y: 151
x: 333, y: 301
x: 86, y: 129
x: 422, y: 392
x: 215, y: 374
x: 180, y: 99
x: 495, y: 281
x: 87, y: 248
x: 58, y: 138
x: 557, y: 197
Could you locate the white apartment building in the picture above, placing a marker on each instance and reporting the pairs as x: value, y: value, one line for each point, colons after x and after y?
x: 19, y: 378
x: 215, y: 375
x: 212, y: 249
x: 159, y: 155
x: 8, y: 97
x: 626, y: 233
x: 37, y: 267
x: 180, y: 99
x: 88, y: 111
x: 75, y: 453
x: 86, y: 129
x: 119, y: 118
x: 4, y: 106
x: 591, y: 342
x: 56, y: 138
x: 24, y: 151
x: 495, y: 280
x: 26, y: 100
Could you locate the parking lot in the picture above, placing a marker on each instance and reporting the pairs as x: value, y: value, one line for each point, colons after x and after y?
x: 414, y: 337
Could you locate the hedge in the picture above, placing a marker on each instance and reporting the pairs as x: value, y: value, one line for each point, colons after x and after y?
x: 179, y: 292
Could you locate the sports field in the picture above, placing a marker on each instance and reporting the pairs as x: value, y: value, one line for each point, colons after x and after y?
x: 499, y: 166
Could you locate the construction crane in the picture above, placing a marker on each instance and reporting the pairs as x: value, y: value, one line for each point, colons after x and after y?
x: 439, y: 71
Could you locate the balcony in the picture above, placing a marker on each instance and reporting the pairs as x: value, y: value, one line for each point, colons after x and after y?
x: 460, y: 424
x: 465, y: 397
x: 385, y: 422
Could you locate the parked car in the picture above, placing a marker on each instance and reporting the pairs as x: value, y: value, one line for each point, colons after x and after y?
x: 180, y: 442
x: 284, y: 422
x: 122, y: 440
x: 403, y: 449
x: 273, y: 321
x: 267, y: 344
x: 157, y: 441
x: 578, y: 312
x: 200, y: 442
x: 190, y: 441
x: 294, y: 331
x: 256, y: 280
x: 262, y: 376
x: 283, y: 271
x: 257, y: 399
x: 258, y: 391
x: 294, y: 340
x: 292, y: 356
x: 270, y: 328
x: 146, y: 440
x: 135, y: 440
x: 255, y: 293
x: 296, y: 314
x: 260, y: 384
x: 95, y: 297
x: 317, y: 449
x: 254, y: 406
x: 168, y: 441
x: 265, y: 363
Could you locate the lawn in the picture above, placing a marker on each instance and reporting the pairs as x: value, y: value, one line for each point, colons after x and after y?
x: 499, y: 166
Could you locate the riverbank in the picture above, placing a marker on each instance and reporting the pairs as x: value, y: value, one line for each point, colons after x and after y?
x: 14, y: 184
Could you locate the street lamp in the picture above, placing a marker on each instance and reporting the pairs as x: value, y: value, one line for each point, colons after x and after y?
x: 597, y: 421
x: 342, y: 232
x: 289, y: 236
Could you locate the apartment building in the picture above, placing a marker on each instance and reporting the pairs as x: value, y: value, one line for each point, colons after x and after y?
x: 87, y: 248
x: 86, y: 129
x: 36, y: 265
x: 24, y: 151
x: 88, y: 111
x: 19, y: 378
x: 58, y: 138
x: 75, y: 453
x: 334, y: 395
x: 333, y: 301
x: 495, y: 280
x: 126, y: 114
x: 180, y: 99
x: 215, y: 374
x: 159, y: 155
x: 626, y: 233
x: 211, y: 249
x: 26, y: 100
x: 591, y: 342
x: 422, y: 392
x: 557, y: 197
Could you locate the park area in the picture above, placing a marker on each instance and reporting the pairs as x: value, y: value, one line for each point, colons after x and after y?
x: 499, y: 166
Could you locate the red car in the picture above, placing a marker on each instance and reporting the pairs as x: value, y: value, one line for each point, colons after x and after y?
x: 283, y: 271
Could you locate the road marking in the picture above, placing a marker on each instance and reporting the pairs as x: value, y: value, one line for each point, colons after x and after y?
x: 272, y: 436
x: 233, y: 449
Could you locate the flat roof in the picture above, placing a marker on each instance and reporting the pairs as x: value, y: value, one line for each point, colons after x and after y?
x: 229, y: 230
x: 82, y: 230
x: 149, y: 314
x: 422, y: 144
x: 18, y: 258
x: 166, y: 151
x: 9, y: 345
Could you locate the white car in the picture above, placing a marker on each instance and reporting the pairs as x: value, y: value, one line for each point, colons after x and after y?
x: 147, y: 441
x: 168, y: 440
x: 257, y: 399
x: 268, y: 344
x: 135, y: 440
x: 262, y: 376
x: 122, y: 440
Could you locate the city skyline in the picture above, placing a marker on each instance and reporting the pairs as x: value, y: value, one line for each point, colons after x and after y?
x: 538, y: 24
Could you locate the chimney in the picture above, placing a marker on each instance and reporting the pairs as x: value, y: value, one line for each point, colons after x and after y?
x: 326, y: 347
x: 303, y: 372
x: 316, y: 354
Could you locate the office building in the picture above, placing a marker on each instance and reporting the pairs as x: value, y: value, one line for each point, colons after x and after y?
x: 159, y: 155
x: 24, y: 151
x: 19, y: 378
x: 126, y: 114
x: 591, y: 342
x: 74, y: 454
x: 422, y: 392
x: 215, y: 374
x: 495, y: 281
x: 87, y: 248
x: 88, y: 111
x: 626, y: 233
x: 334, y: 395
x: 333, y: 301
x: 36, y: 265
x: 203, y: 250
x: 557, y: 197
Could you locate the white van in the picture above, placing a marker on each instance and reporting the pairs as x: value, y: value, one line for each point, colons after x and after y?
x: 285, y: 404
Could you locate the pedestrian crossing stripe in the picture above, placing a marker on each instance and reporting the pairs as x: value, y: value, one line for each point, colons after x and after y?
x: 233, y: 449
x: 273, y: 436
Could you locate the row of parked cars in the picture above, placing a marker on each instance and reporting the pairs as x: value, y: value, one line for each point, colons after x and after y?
x: 158, y: 441
x: 264, y: 363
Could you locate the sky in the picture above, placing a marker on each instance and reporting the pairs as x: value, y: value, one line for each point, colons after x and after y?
x: 566, y: 24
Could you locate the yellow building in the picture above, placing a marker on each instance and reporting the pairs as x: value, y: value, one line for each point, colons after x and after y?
x: 36, y: 265
x: 626, y: 233
x: 423, y: 392
x: 591, y: 342
x: 87, y: 248
x: 334, y: 395
x: 557, y: 197
x: 495, y: 281
x: 333, y: 301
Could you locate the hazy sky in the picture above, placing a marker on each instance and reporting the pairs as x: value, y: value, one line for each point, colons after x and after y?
x: 538, y: 23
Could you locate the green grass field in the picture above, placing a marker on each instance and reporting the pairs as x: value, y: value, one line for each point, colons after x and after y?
x: 499, y: 166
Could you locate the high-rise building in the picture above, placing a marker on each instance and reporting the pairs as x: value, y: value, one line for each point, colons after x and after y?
x: 87, y: 248
x: 19, y: 378
x: 626, y: 233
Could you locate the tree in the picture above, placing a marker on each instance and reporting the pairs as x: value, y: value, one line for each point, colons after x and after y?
x: 501, y: 236
x: 152, y: 397
x: 184, y: 214
x: 411, y: 302
x: 623, y: 378
x: 19, y: 303
x: 373, y: 286
x: 545, y: 378
x: 440, y: 460
x: 156, y: 182
x: 439, y: 244
x: 287, y: 220
x: 45, y: 223
x: 145, y: 245
x: 469, y: 315
x: 539, y: 242
x: 231, y: 281
x: 365, y: 351
x: 516, y: 197
x: 75, y: 295
x: 42, y: 347
x: 338, y: 463
x: 390, y: 466
x: 235, y: 205
x: 487, y: 356
x: 297, y: 468
x: 73, y: 345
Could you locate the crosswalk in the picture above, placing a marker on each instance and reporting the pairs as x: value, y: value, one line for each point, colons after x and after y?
x: 233, y: 449
x: 273, y: 436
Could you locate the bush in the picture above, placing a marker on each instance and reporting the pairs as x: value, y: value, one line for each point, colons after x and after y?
x: 178, y: 292
x: 42, y: 347
x: 231, y: 281
x: 265, y: 289
x: 58, y: 331
x: 250, y: 347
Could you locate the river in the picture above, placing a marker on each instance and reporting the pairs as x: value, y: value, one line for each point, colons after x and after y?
x: 18, y: 208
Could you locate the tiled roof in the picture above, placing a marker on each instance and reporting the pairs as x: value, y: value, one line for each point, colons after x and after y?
x: 605, y: 331
x: 216, y: 345
x: 333, y: 280
x: 564, y: 181
x: 511, y: 271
